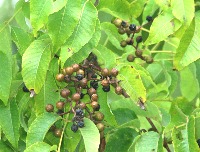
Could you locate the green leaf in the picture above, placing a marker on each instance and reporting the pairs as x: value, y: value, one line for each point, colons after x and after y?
x: 183, y: 10
x: 39, y: 146
x: 120, y: 140
x: 161, y: 28
x: 137, y: 7
x: 39, y: 128
x: 184, y: 137
x: 6, y: 62
x: 149, y: 9
x: 58, y: 5
x: 188, y: 49
x: 90, y: 135
x: 85, y: 27
x: 35, y: 63
x: 147, y: 142
x: 132, y: 83
x: 62, y: 23
x: 9, y: 121
x: 4, y: 147
x: 39, y: 12
x: 21, y: 39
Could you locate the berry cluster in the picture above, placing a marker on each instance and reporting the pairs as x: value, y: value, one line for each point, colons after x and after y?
x: 130, y: 30
x: 83, y: 80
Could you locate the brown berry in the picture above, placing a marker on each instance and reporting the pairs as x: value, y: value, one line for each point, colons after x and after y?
x: 149, y: 59
x: 60, y: 105
x: 82, y: 105
x: 105, y: 83
x: 100, y: 126
x: 83, y: 82
x: 129, y: 41
x: 49, y: 108
x: 94, y: 97
x: 130, y: 58
x: 76, y: 97
x: 117, y: 22
x: 65, y: 93
x: 121, y: 31
x: 138, y: 53
x: 105, y: 72
x: 114, y: 72
x: 123, y: 43
x: 118, y: 90
x: 60, y: 77
x: 80, y: 71
x: 99, y: 116
x: 75, y: 67
x: 58, y: 132
x: 69, y: 71
x: 94, y: 104
x: 91, y: 91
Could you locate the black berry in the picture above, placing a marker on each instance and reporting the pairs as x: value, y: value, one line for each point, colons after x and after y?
x: 139, y: 39
x: 198, y: 142
x: 129, y: 41
x: 132, y: 27
x: 94, y: 84
x: 79, y: 112
x: 79, y: 77
x: 106, y: 89
x: 124, y: 24
x: 80, y: 124
x: 74, y: 128
x: 149, y: 18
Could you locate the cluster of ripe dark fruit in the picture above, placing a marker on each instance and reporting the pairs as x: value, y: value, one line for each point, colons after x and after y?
x: 84, y: 78
x: 130, y: 30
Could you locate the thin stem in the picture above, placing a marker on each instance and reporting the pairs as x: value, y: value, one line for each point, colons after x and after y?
x: 155, y: 46
x: 163, y: 60
x: 166, y: 145
x: 170, y: 43
x: 162, y: 51
x: 152, y: 124
x: 59, y: 146
x: 143, y: 29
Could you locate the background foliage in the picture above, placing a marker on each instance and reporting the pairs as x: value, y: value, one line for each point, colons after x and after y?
x: 35, y: 31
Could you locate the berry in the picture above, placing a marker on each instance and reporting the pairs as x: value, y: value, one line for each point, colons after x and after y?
x: 83, y: 82
x: 82, y: 105
x: 92, y: 91
x: 106, y: 89
x: 129, y: 41
x: 105, y: 83
x: 80, y: 71
x: 60, y: 77
x: 139, y: 39
x: 79, y: 112
x: 130, y: 58
x: 149, y: 59
x: 117, y: 22
x: 132, y: 27
x: 100, y: 126
x: 94, y: 104
x: 68, y: 71
x: 74, y: 128
x: 49, y: 108
x: 123, y: 43
x: 149, y: 18
x: 60, y: 105
x: 65, y: 93
x: 94, y: 97
x: 97, y: 108
x: 94, y: 84
x: 79, y: 77
x: 114, y: 72
x: 118, y: 90
x: 75, y: 67
x: 105, y: 72
x: 67, y: 78
x: 76, y: 97
x: 25, y: 89
x: 80, y: 124
x: 138, y: 53
x: 124, y: 24
x: 121, y: 31
x: 99, y: 116
x: 58, y: 132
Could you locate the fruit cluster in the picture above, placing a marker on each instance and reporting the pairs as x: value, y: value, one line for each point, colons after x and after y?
x: 80, y: 82
x: 130, y: 30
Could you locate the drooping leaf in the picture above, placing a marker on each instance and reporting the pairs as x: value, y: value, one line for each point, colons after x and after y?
x: 39, y: 128
x: 188, y: 49
x: 62, y: 23
x: 9, y: 121
x: 91, y: 136
x: 35, y: 63
x: 157, y: 34
x: 39, y: 146
x: 5, y: 62
x: 39, y: 11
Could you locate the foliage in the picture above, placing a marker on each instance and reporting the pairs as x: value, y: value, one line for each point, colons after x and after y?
x: 159, y: 107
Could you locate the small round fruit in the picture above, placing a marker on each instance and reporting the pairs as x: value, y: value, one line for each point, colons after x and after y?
x: 74, y: 128
x: 117, y: 22
x: 75, y: 67
x: 79, y: 77
x: 100, y: 126
x: 118, y: 90
x: 80, y: 124
x: 92, y: 91
x: 94, y: 97
x: 138, y: 53
x: 79, y: 112
x: 99, y: 116
x: 25, y: 89
x: 94, y: 104
x: 67, y: 78
x: 65, y: 93
x: 69, y: 71
x: 80, y: 71
x: 83, y: 82
x: 124, y: 24
x: 60, y: 105
x: 149, y: 18
x: 123, y: 43
x: 149, y: 59
x: 121, y: 31
x: 132, y: 27
x: 129, y: 41
x: 114, y: 72
x: 58, y: 132
x: 76, y: 97
x: 139, y: 39
x: 105, y: 72
x: 49, y: 108
x: 97, y: 108
x: 128, y: 31
x: 105, y: 83
x: 130, y: 58
x: 82, y: 105
x: 106, y: 89
x: 60, y: 77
